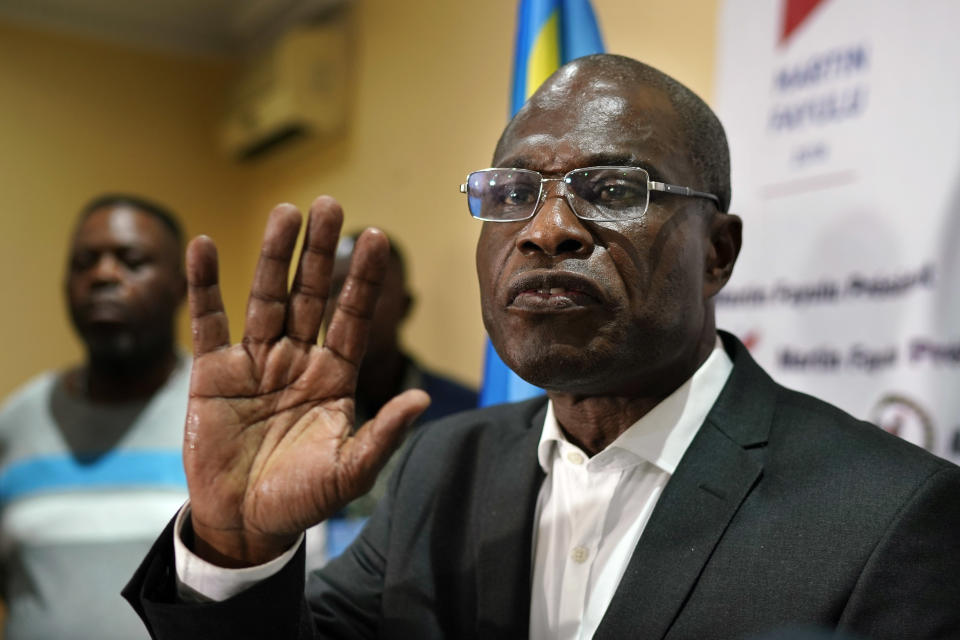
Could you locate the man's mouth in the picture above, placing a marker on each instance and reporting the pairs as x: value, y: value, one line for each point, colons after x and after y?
x: 105, y: 312
x: 546, y: 291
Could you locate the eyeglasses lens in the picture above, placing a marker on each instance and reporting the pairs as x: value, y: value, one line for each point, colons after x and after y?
x: 608, y: 193
x: 496, y: 194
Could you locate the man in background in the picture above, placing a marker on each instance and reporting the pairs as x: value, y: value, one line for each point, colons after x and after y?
x: 90, y: 462
x: 386, y: 371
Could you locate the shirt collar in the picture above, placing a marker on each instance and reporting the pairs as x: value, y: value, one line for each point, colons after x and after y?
x: 663, y: 434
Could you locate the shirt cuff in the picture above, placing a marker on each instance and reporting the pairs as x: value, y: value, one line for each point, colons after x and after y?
x: 200, y: 581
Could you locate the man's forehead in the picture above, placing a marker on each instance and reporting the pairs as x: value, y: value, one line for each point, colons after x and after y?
x: 599, y: 94
x: 549, y: 155
x: 590, y: 143
x: 122, y: 224
x: 595, y: 120
x: 572, y: 79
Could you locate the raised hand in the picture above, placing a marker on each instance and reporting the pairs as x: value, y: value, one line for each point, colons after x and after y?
x: 269, y: 446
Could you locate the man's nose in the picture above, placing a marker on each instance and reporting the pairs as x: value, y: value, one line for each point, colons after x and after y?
x: 555, y: 229
x: 107, y: 269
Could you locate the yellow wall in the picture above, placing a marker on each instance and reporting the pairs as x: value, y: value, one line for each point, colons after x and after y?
x: 431, y: 86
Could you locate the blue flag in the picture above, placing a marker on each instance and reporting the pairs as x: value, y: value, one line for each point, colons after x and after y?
x: 549, y: 33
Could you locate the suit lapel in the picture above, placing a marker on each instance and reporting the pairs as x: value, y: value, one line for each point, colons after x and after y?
x: 506, y: 530
x: 716, y: 473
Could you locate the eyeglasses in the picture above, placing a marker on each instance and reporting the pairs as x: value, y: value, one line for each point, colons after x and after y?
x: 593, y: 193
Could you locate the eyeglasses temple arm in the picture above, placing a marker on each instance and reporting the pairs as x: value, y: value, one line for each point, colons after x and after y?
x: 683, y: 191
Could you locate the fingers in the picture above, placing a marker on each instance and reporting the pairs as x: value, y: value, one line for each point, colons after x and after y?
x: 272, y: 312
x: 207, y: 317
x: 347, y: 333
x: 266, y: 307
x: 311, y: 285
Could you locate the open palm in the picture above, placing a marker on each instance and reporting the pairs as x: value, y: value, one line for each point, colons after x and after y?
x: 269, y: 445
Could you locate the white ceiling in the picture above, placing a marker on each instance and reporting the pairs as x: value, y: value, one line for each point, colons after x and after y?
x: 220, y: 28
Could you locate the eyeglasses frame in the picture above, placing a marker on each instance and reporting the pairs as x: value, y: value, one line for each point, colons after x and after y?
x: 652, y: 185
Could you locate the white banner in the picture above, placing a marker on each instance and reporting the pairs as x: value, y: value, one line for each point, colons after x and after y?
x: 844, y: 124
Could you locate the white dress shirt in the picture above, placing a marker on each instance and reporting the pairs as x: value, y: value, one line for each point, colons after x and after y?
x: 590, y: 512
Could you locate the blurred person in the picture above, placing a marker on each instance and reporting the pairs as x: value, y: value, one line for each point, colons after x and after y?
x: 90, y: 461
x: 666, y: 487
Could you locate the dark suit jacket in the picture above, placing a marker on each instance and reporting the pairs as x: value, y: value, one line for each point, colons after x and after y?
x: 784, y: 511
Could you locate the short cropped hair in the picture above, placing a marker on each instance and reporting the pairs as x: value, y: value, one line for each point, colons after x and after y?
x: 705, y: 138
x: 111, y: 200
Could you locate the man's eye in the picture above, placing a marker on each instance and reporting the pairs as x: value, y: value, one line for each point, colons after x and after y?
x: 618, y: 193
x: 134, y: 259
x: 519, y: 196
x: 82, y: 261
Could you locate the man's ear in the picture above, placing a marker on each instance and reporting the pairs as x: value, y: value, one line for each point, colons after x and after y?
x: 723, y: 247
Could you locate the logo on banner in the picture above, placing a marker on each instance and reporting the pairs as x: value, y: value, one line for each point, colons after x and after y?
x: 795, y: 12
x: 905, y: 418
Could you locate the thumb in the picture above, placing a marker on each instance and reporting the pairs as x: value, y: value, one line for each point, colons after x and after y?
x: 378, y: 438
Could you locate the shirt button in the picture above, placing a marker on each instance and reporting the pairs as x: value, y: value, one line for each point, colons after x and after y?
x: 575, y: 457
x: 579, y: 554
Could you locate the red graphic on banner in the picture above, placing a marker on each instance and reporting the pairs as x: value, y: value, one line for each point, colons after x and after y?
x: 794, y: 13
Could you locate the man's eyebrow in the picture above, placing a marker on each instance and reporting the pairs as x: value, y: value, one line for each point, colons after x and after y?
x: 519, y: 163
x: 623, y: 160
x: 615, y: 160
x: 598, y: 160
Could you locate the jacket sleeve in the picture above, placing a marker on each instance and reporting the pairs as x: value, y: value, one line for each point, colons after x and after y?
x: 341, y: 600
x: 910, y: 586
x: 344, y: 596
x: 274, y: 608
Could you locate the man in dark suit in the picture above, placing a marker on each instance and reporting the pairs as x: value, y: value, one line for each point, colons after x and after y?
x: 668, y: 488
